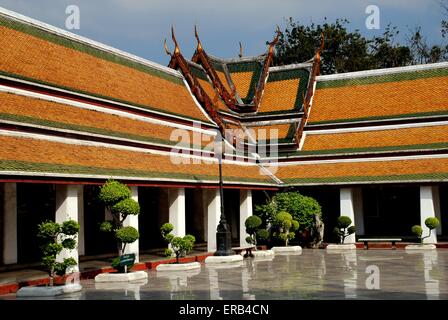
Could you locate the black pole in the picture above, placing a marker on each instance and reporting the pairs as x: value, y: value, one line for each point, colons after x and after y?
x: 223, y: 235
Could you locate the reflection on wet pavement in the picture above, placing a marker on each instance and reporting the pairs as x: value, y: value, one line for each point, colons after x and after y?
x: 314, y: 274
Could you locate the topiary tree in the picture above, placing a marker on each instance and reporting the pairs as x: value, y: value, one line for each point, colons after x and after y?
x: 179, y: 245
x: 55, y: 238
x: 302, y: 208
x: 116, y: 197
x: 431, y: 223
x: 285, y: 226
x: 262, y: 236
x: 252, y: 224
x: 343, y: 229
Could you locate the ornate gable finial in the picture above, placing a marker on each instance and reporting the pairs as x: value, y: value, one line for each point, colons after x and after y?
x: 319, y: 52
x: 176, y: 49
x: 167, y: 51
x: 241, y: 50
x: 199, y: 47
x: 274, y: 42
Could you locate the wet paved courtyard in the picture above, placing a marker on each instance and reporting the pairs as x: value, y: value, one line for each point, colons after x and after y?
x: 314, y: 274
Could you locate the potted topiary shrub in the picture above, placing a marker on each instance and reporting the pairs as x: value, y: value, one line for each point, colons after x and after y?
x: 116, y: 197
x: 342, y: 231
x: 431, y: 223
x: 55, y: 237
x: 179, y: 247
x: 285, y: 227
x: 253, y: 224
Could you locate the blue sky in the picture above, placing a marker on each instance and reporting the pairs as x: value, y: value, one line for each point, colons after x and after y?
x: 140, y: 26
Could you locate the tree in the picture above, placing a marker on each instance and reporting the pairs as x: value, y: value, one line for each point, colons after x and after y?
x: 444, y: 5
x: 386, y: 53
x: 55, y: 238
x: 117, y: 198
x: 344, y: 51
x: 180, y: 245
x: 285, y: 226
x: 343, y: 229
x: 252, y: 224
x: 302, y: 208
x: 431, y: 223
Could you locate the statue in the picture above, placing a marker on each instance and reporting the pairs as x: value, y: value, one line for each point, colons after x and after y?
x: 317, y: 232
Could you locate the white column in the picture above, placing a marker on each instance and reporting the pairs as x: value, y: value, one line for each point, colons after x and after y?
x: 176, y: 202
x: 81, y: 243
x: 348, y: 209
x: 10, y: 223
x: 213, y: 215
x: 67, y: 209
x: 429, y: 205
x: 132, y: 221
x: 359, y: 211
x: 245, y: 212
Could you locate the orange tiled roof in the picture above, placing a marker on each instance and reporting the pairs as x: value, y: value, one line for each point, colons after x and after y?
x: 283, y: 131
x: 28, y: 154
x: 364, y: 140
x: 395, y: 95
x: 42, y: 56
x: 242, y: 81
x: 358, y: 171
x: 36, y: 111
x: 279, y: 95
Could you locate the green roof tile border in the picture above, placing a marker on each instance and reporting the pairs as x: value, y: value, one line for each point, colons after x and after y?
x: 374, y: 79
x: 84, y: 48
x: 24, y: 166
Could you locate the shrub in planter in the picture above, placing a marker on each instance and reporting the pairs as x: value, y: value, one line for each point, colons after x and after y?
x: 302, y: 209
x: 343, y: 229
x: 285, y: 227
x: 55, y: 238
x: 262, y: 236
x: 116, y: 197
x: 431, y: 223
x: 252, y: 224
x: 180, y: 246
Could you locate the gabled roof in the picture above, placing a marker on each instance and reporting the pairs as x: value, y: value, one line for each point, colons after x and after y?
x: 407, y: 92
x: 43, y: 54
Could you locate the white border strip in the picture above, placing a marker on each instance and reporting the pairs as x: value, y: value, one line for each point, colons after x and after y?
x: 380, y: 72
x: 92, y: 43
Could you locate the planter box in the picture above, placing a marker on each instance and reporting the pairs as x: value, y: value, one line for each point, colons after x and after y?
x: 178, y: 266
x: 263, y: 253
x: 48, y: 291
x: 418, y: 247
x: 121, y: 277
x: 287, y: 250
x: 341, y: 247
x: 217, y: 260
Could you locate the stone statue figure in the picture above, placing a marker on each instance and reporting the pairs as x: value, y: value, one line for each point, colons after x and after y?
x: 317, y: 232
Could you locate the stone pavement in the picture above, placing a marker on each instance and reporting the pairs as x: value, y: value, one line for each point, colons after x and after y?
x: 314, y: 274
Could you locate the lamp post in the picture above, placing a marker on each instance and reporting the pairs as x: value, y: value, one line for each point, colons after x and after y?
x: 223, y: 236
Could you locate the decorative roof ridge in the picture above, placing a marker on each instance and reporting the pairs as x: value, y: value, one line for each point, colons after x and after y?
x: 195, y: 64
x: 380, y: 72
x: 92, y: 43
x: 294, y: 66
x: 259, y: 58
